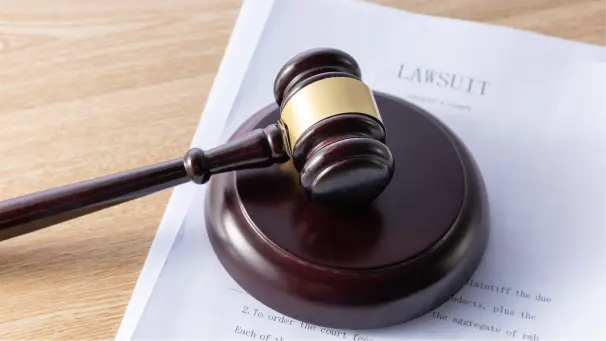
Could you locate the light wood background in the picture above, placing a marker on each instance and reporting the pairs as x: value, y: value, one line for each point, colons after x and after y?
x: 94, y: 87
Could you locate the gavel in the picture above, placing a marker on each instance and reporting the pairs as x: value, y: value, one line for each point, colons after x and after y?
x: 330, y: 128
x: 404, y: 244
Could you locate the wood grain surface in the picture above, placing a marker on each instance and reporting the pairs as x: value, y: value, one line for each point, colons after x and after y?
x: 94, y: 87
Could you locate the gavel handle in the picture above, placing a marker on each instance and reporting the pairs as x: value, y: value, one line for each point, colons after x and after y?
x: 18, y: 216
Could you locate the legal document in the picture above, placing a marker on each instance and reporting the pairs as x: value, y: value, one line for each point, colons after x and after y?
x: 530, y: 108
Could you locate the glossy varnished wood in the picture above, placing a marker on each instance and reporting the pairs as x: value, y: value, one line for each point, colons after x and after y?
x: 342, y: 160
x: 100, y: 82
x: 39, y: 210
x: 310, y: 66
x: 382, y: 264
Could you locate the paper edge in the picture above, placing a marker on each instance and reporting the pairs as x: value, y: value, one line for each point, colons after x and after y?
x: 241, y: 46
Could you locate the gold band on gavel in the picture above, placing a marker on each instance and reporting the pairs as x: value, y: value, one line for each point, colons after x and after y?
x: 325, y: 98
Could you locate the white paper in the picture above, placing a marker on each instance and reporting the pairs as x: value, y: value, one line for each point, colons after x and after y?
x: 535, y: 125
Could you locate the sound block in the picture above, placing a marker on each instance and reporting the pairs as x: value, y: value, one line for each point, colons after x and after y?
x: 389, y: 262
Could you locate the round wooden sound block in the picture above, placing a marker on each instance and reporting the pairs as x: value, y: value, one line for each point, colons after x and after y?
x: 398, y: 258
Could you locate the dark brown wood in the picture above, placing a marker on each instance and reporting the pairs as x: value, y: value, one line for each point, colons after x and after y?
x: 311, y: 63
x: 343, y: 160
x: 399, y: 257
x: 260, y: 148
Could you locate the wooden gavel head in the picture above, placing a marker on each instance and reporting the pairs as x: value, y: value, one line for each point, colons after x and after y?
x: 332, y: 128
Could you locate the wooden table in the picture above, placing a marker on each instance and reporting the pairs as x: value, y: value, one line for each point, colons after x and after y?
x: 89, y: 88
